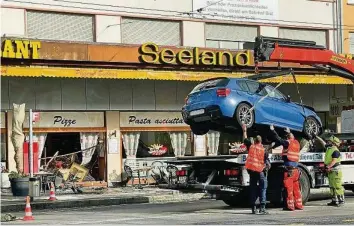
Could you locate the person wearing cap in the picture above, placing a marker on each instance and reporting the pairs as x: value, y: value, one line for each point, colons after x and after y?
x: 332, y: 163
x: 291, y: 157
x: 257, y: 165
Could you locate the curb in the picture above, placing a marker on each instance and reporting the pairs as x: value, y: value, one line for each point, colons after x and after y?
x: 41, y: 205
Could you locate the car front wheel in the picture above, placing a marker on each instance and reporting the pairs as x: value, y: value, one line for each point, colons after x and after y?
x: 311, y: 126
x: 245, y: 115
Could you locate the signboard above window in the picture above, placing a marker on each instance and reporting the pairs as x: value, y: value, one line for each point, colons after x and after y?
x: 265, y: 11
x: 151, y: 119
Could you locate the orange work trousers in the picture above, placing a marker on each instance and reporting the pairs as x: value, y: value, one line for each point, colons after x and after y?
x: 292, y: 187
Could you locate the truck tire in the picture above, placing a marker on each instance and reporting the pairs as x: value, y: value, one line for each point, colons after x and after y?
x: 239, y: 200
x: 305, y: 186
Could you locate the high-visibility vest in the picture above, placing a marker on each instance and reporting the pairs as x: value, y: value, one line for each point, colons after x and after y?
x: 293, y: 152
x: 328, y: 155
x: 255, y: 158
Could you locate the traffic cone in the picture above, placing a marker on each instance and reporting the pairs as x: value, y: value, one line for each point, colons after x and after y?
x: 52, y: 193
x: 28, y: 211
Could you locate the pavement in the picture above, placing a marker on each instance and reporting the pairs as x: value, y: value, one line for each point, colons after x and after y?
x: 200, y: 212
x: 107, y: 197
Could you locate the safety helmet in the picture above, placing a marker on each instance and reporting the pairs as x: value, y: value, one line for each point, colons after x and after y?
x: 334, y: 140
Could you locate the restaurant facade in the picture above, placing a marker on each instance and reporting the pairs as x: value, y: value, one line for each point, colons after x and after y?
x: 128, y: 96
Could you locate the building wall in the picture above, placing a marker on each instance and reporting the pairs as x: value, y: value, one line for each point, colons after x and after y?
x: 93, y: 94
x: 109, y: 16
x: 348, y: 26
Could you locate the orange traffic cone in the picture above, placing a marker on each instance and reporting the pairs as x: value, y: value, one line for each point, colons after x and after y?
x: 52, y: 193
x: 28, y: 211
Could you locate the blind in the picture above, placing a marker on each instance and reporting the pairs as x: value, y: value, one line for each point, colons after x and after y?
x: 229, y: 36
x: 60, y: 26
x: 318, y: 36
x: 138, y: 31
x: 351, y: 43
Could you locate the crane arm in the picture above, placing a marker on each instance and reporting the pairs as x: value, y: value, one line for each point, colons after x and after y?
x: 303, y: 52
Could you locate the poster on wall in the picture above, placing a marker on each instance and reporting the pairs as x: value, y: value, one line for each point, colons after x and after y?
x: 151, y: 119
x: 68, y: 119
x: 238, y: 10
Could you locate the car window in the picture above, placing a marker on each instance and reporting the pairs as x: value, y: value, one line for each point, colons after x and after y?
x: 254, y: 87
x: 243, y: 86
x: 222, y: 82
x: 274, y: 93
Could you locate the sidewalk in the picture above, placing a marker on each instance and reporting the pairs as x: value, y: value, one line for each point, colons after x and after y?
x: 110, y: 196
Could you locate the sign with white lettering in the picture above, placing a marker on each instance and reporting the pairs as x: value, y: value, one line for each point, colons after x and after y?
x: 304, y: 157
x: 2, y: 120
x: 265, y: 11
x: 151, y: 119
x: 347, y: 121
x: 68, y: 120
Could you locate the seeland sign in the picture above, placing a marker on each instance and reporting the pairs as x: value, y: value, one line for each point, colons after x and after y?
x: 152, y: 54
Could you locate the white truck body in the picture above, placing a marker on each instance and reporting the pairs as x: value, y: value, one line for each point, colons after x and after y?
x: 308, y: 160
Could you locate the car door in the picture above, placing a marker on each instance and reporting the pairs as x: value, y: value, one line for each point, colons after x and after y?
x: 286, y: 114
x: 264, y: 109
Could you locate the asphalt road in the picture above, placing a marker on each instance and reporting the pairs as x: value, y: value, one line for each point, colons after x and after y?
x: 203, y: 212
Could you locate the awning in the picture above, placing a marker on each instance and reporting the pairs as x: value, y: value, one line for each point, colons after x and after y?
x: 95, y: 73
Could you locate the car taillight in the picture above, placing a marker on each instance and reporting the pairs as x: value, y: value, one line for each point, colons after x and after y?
x: 223, y: 92
x: 181, y: 173
x: 231, y: 172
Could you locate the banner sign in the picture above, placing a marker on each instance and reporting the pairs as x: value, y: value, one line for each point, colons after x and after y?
x: 265, y: 11
x: 304, y: 157
x: 151, y: 119
x: 67, y: 119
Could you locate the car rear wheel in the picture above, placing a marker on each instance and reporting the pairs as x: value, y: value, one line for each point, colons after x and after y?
x: 311, y: 126
x: 199, y: 130
x: 245, y: 115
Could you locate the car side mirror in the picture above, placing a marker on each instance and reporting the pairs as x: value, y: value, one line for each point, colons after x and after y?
x: 288, y: 98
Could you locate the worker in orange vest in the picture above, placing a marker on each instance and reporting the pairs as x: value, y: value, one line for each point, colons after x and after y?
x: 291, y: 157
x: 257, y: 165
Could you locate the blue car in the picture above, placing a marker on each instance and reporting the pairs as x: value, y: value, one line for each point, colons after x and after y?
x: 222, y: 103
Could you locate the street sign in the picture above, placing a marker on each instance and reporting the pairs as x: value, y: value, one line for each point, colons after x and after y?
x: 35, y: 116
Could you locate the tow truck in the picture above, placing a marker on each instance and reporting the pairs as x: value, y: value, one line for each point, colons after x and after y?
x: 225, y: 176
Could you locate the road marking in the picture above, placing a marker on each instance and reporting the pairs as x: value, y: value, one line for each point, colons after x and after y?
x: 348, y: 220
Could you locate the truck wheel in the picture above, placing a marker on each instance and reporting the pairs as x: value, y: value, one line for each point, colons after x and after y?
x: 304, y: 186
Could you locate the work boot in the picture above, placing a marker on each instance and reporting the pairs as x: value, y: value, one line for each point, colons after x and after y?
x: 341, y: 200
x: 254, y: 210
x: 263, y: 210
x: 333, y: 203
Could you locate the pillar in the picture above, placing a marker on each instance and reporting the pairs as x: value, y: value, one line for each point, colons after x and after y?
x: 114, y: 148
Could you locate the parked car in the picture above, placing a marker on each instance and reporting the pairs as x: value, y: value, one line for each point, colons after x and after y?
x: 224, y: 103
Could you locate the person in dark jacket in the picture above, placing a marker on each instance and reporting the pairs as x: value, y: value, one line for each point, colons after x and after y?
x: 257, y: 165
